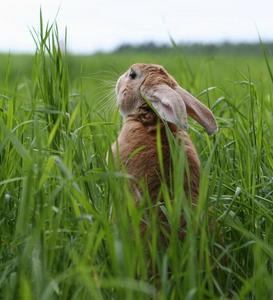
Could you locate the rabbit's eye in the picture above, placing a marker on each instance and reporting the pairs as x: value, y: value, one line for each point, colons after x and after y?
x: 132, y: 74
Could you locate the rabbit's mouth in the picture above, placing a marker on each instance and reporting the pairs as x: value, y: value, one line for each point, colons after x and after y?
x: 124, y: 93
x: 121, y: 95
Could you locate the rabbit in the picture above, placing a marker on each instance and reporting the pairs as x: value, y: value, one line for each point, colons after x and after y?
x: 148, y: 97
x: 172, y: 103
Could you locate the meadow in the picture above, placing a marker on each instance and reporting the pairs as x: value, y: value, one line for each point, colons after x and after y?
x: 69, y: 227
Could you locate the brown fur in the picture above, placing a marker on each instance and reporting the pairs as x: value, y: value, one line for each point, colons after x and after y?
x: 139, y: 132
x: 156, y: 76
x: 136, y: 146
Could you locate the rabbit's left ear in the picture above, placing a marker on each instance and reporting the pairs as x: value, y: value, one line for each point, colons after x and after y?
x: 167, y: 103
x: 198, y: 111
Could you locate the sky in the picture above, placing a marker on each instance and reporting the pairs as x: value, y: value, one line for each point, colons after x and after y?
x: 102, y: 25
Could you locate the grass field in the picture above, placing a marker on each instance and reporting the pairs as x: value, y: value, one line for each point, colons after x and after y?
x: 69, y: 228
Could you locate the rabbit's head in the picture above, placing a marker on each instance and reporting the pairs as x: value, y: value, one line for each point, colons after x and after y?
x: 151, y: 84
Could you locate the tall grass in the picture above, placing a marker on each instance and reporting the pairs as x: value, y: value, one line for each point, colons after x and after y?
x: 70, y: 229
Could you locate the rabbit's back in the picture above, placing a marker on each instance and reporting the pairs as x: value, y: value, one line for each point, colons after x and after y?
x: 136, y: 149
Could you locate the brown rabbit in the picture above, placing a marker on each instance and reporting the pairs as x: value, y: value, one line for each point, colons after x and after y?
x: 147, y: 96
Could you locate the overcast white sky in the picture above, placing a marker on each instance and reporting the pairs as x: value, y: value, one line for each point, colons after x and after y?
x: 103, y: 24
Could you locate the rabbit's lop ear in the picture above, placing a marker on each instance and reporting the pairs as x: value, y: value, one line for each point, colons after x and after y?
x: 167, y: 103
x: 198, y: 111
